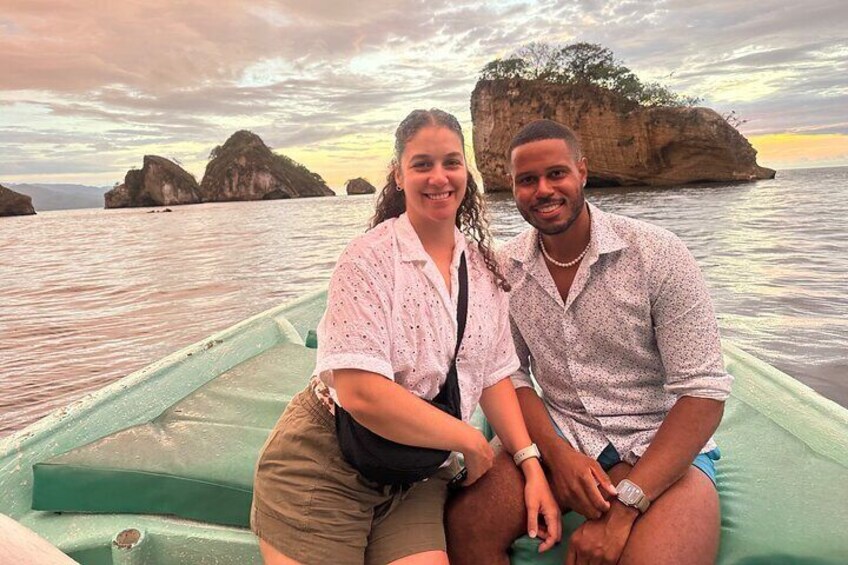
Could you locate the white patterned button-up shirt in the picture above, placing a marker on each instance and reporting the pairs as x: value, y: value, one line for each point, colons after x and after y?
x: 389, y: 312
x: 636, y: 332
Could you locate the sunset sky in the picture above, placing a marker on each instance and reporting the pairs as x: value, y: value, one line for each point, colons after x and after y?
x: 87, y: 88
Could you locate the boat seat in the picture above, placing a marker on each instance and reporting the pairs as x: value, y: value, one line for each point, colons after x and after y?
x: 785, y: 458
x: 195, y: 460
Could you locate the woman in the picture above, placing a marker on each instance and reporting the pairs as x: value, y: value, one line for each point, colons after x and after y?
x: 385, y: 344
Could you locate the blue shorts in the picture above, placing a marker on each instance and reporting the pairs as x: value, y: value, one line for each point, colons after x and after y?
x: 609, y: 457
x: 704, y: 461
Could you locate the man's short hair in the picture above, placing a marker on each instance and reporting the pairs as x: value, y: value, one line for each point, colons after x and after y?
x: 540, y: 130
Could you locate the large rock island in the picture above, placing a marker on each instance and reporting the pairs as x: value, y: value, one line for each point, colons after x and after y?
x: 624, y: 142
x: 160, y: 182
x: 244, y: 168
x: 15, y: 204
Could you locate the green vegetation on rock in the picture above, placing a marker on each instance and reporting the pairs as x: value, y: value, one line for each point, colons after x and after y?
x: 581, y: 63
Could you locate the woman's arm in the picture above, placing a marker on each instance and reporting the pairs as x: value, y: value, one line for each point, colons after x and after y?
x: 500, y: 405
x: 391, y: 411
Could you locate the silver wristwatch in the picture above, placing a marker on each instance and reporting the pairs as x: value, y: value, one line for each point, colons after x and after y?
x: 631, y: 495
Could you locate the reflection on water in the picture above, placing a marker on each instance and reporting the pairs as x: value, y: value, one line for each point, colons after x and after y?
x: 88, y: 296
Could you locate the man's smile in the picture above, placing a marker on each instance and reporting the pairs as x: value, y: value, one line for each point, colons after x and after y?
x: 548, y: 208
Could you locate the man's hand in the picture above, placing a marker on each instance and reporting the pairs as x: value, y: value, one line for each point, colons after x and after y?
x: 580, y: 483
x: 602, y: 541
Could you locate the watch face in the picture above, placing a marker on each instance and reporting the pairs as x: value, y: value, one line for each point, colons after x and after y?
x: 628, y: 493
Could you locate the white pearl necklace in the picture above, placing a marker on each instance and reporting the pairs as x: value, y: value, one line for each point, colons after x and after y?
x: 557, y: 263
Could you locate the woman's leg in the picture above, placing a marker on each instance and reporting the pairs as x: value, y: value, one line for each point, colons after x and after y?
x: 424, y: 558
x: 309, y: 505
x: 272, y: 556
x: 410, y: 529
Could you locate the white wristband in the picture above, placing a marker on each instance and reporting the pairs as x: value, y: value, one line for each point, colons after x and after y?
x: 523, y: 454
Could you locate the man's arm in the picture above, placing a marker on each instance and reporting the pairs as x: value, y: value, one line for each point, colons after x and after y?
x: 535, y: 414
x: 688, y: 342
x: 578, y: 481
x: 686, y: 429
x: 688, y: 426
x: 689, y: 346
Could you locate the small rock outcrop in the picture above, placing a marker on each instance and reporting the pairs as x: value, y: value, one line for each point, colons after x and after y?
x: 14, y: 203
x: 624, y: 143
x: 359, y: 186
x: 244, y: 168
x: 160, y: 182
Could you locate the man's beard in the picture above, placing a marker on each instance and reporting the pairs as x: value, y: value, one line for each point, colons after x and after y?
x: 558, y: 229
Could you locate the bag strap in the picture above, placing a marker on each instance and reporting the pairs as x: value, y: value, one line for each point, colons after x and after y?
x: 449, y: 395
x: 462, y: 305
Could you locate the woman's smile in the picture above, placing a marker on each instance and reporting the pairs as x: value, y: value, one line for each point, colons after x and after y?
x: 439, y: 195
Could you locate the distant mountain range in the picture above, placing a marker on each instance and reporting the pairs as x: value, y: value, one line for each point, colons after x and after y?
x: 62, y: 196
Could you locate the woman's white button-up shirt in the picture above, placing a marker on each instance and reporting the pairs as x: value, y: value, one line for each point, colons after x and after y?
x: 390, y: 312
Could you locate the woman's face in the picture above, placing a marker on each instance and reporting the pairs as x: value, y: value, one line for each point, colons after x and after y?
x: 433, y: 175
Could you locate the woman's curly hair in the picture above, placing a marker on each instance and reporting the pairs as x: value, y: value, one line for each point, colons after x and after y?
x: 471, y: 217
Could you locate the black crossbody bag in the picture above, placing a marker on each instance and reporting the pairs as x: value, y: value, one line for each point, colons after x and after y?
x: 389, y: 463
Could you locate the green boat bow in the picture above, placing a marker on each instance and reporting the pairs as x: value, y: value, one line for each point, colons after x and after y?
x: 158, y: 467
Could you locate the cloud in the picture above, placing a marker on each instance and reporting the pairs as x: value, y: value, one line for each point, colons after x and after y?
x: 323, y: 78
x: 796, y: 149
x: 159, y: 45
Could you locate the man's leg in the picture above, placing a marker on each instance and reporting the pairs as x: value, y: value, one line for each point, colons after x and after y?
x: 681, y: 526
x: 483, y: 520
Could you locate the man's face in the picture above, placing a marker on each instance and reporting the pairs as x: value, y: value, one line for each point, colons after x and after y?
x: 547, y: 183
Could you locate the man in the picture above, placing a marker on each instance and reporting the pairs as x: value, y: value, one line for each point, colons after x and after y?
x: 615, y: 321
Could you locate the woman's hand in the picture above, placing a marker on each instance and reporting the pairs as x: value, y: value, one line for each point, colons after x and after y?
x: 479, y: 456
x: 540, y: 503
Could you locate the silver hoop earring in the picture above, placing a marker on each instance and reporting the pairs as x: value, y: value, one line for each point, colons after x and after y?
x: 399, y: 188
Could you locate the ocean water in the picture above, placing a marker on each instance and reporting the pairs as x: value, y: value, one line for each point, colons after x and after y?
x: 88, y: 296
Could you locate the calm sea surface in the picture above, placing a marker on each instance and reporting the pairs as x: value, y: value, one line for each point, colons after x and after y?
x: 88, y: 296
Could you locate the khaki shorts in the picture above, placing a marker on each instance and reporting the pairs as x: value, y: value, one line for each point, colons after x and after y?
x: 312, y: 506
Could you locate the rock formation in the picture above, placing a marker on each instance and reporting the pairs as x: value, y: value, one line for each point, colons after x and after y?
x: 14, y: 204
x: 359, y: 186
x: 244, y: 168
x: 160, y: 182
x: 624, y: 143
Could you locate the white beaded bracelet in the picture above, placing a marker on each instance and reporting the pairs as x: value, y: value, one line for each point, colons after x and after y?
x: 523, y: 454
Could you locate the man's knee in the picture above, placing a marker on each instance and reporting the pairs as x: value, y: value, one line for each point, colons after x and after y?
x: 682, y: 525
x: 489, y: 512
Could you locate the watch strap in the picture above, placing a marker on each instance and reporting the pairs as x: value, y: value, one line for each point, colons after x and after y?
x: 527, y: 453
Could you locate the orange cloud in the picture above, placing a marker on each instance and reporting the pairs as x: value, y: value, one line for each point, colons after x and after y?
x: 793, y: 150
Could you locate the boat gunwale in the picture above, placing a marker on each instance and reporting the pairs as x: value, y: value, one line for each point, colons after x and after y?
x: 818, y: 422
x: 64, y: 429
